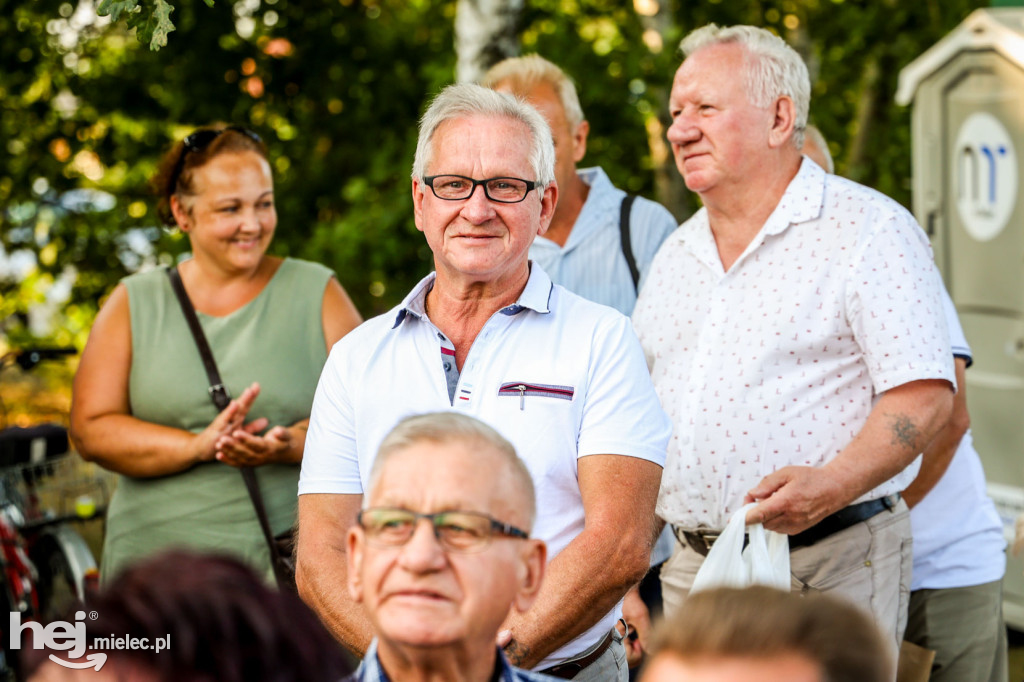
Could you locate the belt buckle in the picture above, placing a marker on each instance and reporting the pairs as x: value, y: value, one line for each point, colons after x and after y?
x: 708, y: 537
x: 699, y: 536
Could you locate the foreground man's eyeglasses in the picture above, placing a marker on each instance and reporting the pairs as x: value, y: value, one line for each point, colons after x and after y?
x: 457, y: 531
x: 459, y: 187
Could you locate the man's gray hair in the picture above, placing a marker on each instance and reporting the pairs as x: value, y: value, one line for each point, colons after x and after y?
x: 469, y: 99
x: 815, y: 137
x: 774, y: 69
x: 442, y: 428
x: 522, y: 74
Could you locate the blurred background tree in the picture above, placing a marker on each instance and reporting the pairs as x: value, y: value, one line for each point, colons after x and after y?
x: 335, y: 88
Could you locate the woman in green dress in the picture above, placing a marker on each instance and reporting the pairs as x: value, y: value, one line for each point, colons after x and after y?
x: 140, y: 405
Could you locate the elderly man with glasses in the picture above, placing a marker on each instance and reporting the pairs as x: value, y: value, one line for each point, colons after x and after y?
x: 441, y: 552
x: 488, y: 334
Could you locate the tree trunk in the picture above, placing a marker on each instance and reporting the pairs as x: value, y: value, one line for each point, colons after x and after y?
x: 866, y: 106
x: 485, y: 33
x: 656, y: 17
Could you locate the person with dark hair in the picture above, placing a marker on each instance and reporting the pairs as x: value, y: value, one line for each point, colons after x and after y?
x: 142, y: 403
x: 216, y: 618
x: 764, y: 634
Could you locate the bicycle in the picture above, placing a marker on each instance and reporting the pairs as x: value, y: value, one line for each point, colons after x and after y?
x: 46, y: 563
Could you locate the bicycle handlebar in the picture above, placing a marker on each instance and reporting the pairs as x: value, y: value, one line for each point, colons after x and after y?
x: 27, y: 358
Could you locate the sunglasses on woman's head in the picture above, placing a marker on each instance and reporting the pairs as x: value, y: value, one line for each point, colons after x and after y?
x: 200, y: 140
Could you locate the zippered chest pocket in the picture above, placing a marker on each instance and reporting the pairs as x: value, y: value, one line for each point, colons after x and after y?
x: 525, y: 389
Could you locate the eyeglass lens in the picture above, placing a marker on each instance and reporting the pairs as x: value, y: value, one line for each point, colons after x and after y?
x: 456, y: 531
x: 454, y: 187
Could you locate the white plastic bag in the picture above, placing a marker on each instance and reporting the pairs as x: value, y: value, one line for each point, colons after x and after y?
x: 764, y: 561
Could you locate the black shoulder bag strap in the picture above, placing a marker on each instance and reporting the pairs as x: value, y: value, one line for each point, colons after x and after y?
x: 627, y: 243
x: 221, y: 398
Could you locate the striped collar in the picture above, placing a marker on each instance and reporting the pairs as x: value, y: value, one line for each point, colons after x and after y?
x: 536, y: 296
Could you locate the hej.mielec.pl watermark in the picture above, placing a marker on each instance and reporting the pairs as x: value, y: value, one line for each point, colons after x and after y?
x: 70, y: 637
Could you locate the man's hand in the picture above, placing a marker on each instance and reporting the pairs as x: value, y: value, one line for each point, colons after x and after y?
x: 794, y: 498
x: 587, y: 578
x: 900, y: 425
x: 638, y: 624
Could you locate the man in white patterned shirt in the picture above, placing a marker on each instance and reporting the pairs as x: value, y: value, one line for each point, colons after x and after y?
x: 795, y: 333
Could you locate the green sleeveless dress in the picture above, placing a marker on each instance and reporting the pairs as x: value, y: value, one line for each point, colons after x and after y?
x: 276, y: 339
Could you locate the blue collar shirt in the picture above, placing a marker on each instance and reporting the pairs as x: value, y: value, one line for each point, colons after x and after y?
x: 370, y: 670
x: 591, y: 262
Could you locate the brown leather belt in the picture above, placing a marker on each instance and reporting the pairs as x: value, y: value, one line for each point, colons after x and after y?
x: 569, y: 669
x: 701, y: 540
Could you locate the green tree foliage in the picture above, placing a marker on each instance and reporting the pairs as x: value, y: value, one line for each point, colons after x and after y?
x: 335, y: 88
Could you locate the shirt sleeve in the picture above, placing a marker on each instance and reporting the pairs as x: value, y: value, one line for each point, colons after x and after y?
x: 894, y: 302
x: 956, y: 333
x: 622, y: 415
x: 330, y: 460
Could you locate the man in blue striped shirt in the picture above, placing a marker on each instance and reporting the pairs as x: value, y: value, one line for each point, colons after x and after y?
x: 594, y: 247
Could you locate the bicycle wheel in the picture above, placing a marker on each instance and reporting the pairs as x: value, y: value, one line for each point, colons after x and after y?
x: 64, y: 564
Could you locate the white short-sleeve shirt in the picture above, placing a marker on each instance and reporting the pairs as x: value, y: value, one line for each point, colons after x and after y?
x: 778, y: 361
x: 587, y: 392
x: 958, y: 535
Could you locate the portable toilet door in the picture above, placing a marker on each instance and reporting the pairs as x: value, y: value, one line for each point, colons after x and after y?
x: 968, y: 137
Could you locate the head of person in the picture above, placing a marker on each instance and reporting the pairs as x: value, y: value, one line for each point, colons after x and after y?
x: 761, y: 633
x: 203, y: 617
x: 816, y: 148
x: 482, y: 181
x: 441, y: 553
x: 739, y: 106
x: 549, y: 90
x: 216, y: 185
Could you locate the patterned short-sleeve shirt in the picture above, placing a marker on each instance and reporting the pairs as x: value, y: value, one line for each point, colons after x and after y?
x: 778, y: 361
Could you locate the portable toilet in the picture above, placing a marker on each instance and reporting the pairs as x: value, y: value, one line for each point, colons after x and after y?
x: 968, y: 136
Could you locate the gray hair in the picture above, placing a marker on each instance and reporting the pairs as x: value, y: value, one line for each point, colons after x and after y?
x: 469, y: 99
x: 522, y: 74
x: 452, y: 427
x: 813, y: 136
x: 774, y: 69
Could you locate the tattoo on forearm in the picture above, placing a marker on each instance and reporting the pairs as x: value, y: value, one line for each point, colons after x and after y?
x: 517, y: 652
x: 905, y: 432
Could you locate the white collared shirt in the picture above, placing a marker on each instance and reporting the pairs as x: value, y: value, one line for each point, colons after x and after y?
x: 587, y: 392
x: 778, y: 361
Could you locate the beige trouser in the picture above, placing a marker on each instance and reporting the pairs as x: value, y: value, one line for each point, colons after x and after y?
x: 869, y: 562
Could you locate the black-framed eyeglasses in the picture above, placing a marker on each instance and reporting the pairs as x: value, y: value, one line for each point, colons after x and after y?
x: 458, y: 187
x: 456, y: 531
x: 200, y: 140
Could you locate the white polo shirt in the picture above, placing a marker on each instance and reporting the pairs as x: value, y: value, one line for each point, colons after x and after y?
x: 779, y: 360
x: 958, y: 535
x: 587, y: 392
